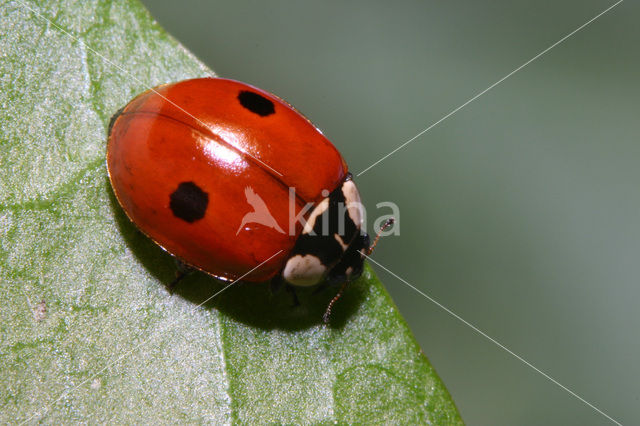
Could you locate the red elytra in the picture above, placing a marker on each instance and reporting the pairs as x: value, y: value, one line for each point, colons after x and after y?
x: 200, y: 132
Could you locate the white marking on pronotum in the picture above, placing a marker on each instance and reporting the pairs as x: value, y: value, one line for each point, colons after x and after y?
x: 354, y: 205
x: 304, y: 270
x: 340, y: 241
x: 311, y: 222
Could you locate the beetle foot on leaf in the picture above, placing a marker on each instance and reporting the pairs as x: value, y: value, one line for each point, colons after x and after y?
x: 182, y: 270
x: 276, y: 284
x: 291, y: 289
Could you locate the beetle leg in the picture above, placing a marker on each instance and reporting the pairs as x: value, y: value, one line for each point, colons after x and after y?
x: 276, y: 284
x: 113, y: 119
x: 182, y: 270
x: 291, y: 289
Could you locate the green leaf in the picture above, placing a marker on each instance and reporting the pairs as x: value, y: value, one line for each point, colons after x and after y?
x: 89, y: 331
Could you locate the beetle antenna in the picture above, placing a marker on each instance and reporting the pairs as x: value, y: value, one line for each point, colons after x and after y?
x: 384, y: 226
x: 327, y: 314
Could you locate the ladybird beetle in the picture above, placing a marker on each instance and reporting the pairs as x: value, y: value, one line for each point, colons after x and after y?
x: 213, y: 170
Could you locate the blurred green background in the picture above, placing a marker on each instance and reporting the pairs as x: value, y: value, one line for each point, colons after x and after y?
x: 520, y: 213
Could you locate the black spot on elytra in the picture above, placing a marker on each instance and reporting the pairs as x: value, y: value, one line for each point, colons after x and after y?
x: 256, y: 103
x: 189, y: 202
